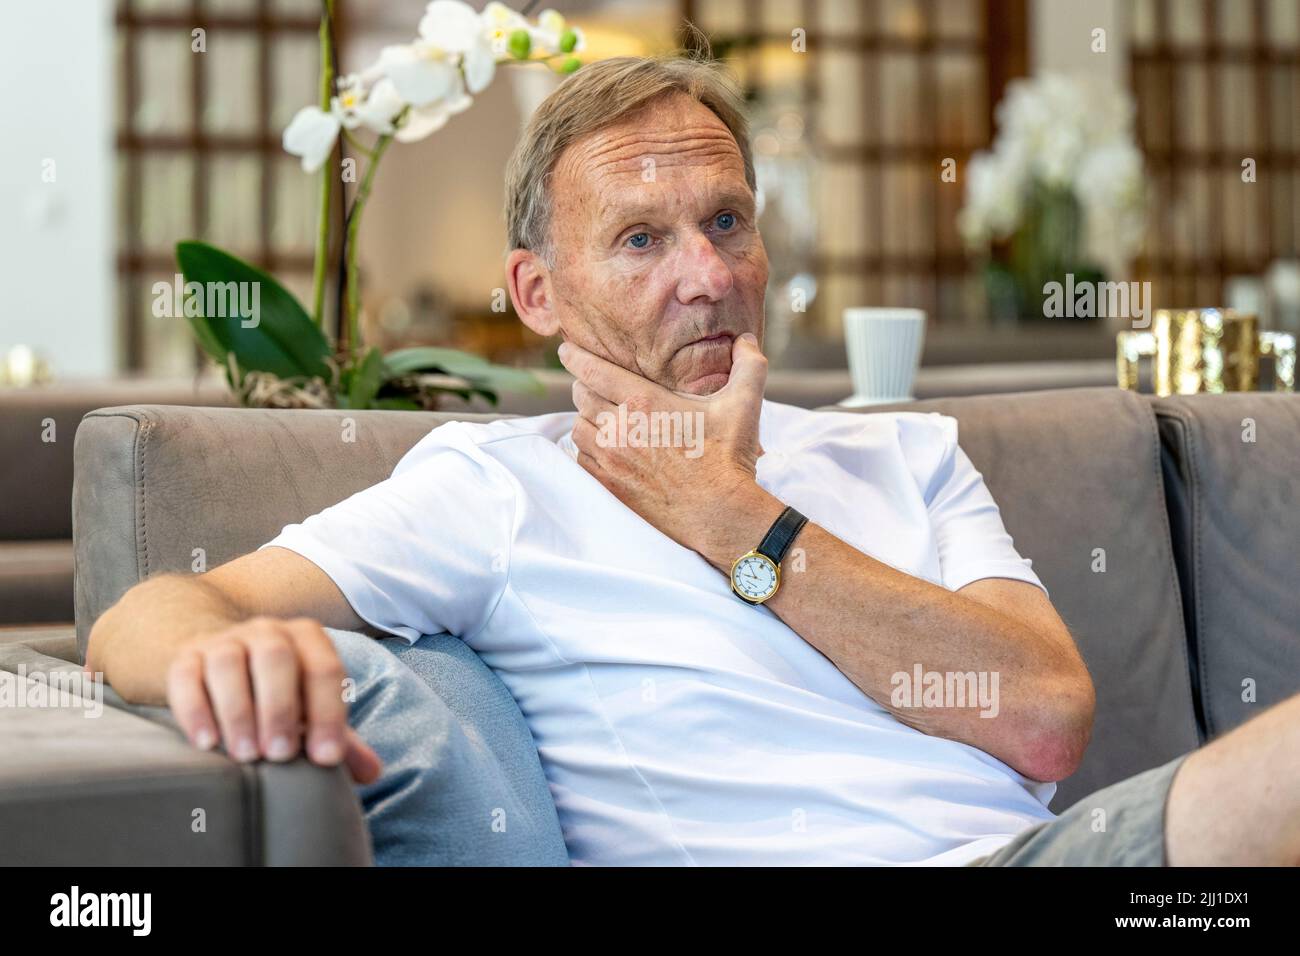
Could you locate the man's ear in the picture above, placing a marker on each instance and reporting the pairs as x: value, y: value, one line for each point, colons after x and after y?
x: 530, y: 291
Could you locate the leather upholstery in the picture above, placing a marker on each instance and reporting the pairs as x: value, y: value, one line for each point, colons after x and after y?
x: 159, y: 488
x: 1235, y: 514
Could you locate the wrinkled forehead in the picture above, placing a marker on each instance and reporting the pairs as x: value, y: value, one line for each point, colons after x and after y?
x: 674, y: 137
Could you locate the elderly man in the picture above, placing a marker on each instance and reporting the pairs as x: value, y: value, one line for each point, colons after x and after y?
x: 714, y: 629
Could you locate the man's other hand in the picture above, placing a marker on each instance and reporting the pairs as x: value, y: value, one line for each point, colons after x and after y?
x: 262, y: 688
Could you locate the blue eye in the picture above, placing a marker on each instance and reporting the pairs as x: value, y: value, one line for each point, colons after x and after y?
x: 726, y: 221
x: 639, y: 241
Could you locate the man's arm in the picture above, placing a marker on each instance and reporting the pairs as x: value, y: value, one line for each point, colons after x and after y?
x: 873, y: 621
x: 240, y: 656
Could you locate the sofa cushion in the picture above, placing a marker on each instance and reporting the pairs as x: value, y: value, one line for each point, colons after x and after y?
x: 1074, y: 471
x: 1235, y: 512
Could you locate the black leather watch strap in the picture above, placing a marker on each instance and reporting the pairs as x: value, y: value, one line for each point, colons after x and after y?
x: 781, y: 535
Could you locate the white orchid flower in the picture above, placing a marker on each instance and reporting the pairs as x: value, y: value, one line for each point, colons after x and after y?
x: 452, y: 40
x: 381, y: 106
x: 550, y: 32
x: 422, y: 121
x: 993, y: 197
x: 431, y: 79
x: 421, y: 73
x: 346, y: 105
x: 375, y: 110
x: 500, y: 23
x: 454, y: 27
x: 311, y: 135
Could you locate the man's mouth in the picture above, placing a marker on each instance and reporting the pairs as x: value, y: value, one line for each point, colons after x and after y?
x: 719, y: 339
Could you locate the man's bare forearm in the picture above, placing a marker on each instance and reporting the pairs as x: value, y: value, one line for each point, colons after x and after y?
x: 135, y: 640
x: 873, y: 622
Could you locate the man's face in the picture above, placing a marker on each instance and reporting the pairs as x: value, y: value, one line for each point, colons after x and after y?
x: 658, y: 260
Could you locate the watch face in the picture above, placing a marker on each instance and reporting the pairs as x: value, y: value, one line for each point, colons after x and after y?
x: 754, y: 576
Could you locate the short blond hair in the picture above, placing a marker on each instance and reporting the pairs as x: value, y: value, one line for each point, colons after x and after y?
x: 596, y: 97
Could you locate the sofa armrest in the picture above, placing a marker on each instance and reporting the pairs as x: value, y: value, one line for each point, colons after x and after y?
x: 89, y: 780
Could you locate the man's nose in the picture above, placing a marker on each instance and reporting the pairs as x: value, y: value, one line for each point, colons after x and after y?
x: 705, y: 276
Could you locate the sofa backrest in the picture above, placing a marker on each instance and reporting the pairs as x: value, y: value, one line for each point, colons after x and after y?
x: 1232, y: 479
x: 1076, y: 475
x: 170, y: 488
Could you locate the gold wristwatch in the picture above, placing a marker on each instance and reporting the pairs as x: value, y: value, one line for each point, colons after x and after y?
x: 756, y: 576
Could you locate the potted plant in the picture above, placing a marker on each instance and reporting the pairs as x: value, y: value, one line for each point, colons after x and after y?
x: 275, y: 351
x: 1059, y: 193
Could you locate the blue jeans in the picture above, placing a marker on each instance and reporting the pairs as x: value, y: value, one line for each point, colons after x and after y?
x: 462, y: 788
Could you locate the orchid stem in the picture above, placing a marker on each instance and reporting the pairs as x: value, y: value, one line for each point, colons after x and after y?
x: 326, y: 174
x: 354, y: 223
x: 357, y: 144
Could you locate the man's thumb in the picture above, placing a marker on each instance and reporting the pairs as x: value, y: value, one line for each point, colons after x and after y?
x: 748, y: 369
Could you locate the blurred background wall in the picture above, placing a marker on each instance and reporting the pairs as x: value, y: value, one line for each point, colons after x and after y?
x: 57, y: 247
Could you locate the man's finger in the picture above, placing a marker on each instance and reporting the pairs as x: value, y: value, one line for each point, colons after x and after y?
x: 612, y: 381
x: 362, y: 762
x: 589, y: 404
x: 586, y: 436
x: 225, y: 672
x: 188, y: 699
x: 325, y: 710
x: 273, y: 666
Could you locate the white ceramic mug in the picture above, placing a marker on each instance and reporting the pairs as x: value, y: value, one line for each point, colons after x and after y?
x: 884, y: 349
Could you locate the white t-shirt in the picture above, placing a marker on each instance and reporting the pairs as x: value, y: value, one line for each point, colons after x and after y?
x: 677, y: 724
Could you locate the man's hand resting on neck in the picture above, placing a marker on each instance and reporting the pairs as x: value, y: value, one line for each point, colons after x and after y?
x: 674, y: 487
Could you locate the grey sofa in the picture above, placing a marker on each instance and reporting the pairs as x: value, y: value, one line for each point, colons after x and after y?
x: 1168, y: 543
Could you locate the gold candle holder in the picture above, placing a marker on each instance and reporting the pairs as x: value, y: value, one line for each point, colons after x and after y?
x: 1205, y: 350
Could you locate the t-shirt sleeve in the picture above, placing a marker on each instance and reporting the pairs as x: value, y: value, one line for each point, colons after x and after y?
x: 967, y: 525
x: 425, y: 551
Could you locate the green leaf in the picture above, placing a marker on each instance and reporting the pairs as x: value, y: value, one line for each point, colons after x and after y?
x: 284, y: 341
x: 367, y: 376
x: 209, y: 342
x: 504, y: 379
x: 429, y: 358
x: 482, y: 376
